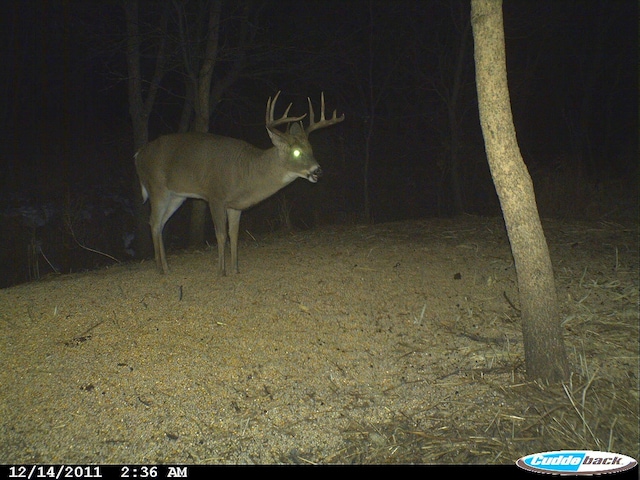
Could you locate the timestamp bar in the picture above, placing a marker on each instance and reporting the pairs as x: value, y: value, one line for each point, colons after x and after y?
x: 60, y: 472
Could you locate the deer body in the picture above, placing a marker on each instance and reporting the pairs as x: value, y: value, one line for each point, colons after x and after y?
x: 230, y: 174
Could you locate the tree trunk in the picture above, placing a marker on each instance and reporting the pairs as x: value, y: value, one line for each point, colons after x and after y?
x: 199, y: 208
x: 368, y: 216
x: 455, y: 120
x: 142, y: 239
x: 545, y: 355
x: 139, y: 110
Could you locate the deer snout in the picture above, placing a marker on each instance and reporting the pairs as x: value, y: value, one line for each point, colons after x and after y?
x: 314, y: 174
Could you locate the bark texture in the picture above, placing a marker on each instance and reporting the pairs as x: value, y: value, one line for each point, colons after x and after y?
x: 545, y: 355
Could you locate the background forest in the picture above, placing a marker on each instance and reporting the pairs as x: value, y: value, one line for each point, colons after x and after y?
x: 401, y: 72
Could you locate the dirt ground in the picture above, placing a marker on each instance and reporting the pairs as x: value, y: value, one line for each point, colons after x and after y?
x: 391, y: 343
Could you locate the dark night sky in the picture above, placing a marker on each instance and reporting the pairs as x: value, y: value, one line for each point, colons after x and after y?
x: 572, y: 66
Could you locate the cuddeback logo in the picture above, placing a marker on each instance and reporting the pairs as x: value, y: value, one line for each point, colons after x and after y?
x: 579, y: 462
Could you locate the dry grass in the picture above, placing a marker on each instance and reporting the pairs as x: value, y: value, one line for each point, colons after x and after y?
x: 395, y: 344
x: 597, y: 409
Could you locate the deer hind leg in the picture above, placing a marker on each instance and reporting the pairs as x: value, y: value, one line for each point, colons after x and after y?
x: 161, y: 211
x: 234, y: 225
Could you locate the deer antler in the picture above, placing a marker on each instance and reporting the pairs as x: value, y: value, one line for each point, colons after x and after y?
x: 271, y: 123
x: 313, y: 125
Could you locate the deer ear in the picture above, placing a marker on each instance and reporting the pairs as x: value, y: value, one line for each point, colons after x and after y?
x: 277, y: 138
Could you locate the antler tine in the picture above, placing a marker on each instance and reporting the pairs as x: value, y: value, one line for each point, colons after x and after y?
x: 271, y: 106
x: 313, y: 125
x: 312, y: 114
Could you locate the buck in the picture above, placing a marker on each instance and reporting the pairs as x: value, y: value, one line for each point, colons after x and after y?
x: 230, y: 174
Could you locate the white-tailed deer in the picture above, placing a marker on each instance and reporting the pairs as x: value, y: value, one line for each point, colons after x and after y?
x: 230, y: 174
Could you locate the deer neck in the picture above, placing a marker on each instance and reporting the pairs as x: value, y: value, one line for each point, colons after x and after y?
x: 258, y: 177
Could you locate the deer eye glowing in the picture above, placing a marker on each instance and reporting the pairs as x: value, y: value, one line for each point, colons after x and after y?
x: 297, y: 153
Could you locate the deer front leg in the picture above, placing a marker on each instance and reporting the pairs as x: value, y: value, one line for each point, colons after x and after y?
x: 219, y: 216
x: 234, y: 225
